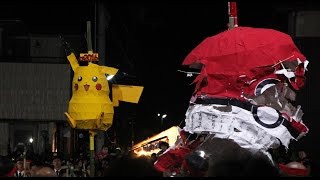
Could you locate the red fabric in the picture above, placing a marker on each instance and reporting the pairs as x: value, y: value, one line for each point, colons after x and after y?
x: 11, y: 173
x: 299, y: 79
x: 293, y: 171
x: 183, y: 136
x: 172, y: 159
x: 233, y: 9
x: 237, y: 56
x: 299, y: 126
x: 238, y: 47
x: 100, y: 155
x: 14, y: 169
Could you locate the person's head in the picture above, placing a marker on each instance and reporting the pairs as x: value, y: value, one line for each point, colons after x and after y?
x: 19, y: 165
x: 79, y: 163
x: 153, y: 157
x: 118, y: 151
x: 163, y: 145
x: 104, y: 149
x: 45, y: 172
x: 302, y: 155
x: 34, y: 169
x: 35, y: 165
x: 56, y: 162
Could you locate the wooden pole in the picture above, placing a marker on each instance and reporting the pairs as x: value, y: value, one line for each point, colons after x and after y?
x: 92, y: 154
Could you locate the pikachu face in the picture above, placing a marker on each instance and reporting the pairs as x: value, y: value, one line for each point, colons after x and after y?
x: 89, y: 81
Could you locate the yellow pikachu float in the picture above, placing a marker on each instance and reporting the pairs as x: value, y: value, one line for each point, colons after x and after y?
x: 90, y: 106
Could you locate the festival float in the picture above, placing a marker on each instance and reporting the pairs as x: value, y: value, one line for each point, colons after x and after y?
x: 245, y: 93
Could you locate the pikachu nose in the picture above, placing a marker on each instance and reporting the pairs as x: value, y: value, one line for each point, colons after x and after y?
x: 86, y: 87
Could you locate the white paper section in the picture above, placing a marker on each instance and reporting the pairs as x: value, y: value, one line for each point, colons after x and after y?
x: 238, y: 125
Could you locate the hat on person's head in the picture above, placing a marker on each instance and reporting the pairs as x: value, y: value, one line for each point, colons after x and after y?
x: 19, y: 159
x: 56, y: 155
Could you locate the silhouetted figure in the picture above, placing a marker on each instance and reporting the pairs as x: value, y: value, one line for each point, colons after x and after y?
x: 163, y: 146
x: 57, y: 166
x: 227, y: 158
x: 153, y: 158
x: 6, y: 166
x: 132, y: 166
x: 20, y: 169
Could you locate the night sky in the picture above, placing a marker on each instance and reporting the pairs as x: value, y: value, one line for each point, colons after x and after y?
x: 149, y: 41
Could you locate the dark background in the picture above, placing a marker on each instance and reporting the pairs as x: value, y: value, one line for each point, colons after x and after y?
x: 149, y: 41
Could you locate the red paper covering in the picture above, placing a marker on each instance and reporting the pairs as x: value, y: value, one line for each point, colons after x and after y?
x: 293, y: 171
x: 238, y: 54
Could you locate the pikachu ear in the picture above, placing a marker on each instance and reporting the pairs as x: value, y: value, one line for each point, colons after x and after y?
x: 108, y: 70
x: 73, y: 61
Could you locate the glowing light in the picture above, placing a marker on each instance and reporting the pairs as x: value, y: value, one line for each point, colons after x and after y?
x: 31, y: 140
x: 171, y: 134
x: 202, y: 153
x: 109, y: 77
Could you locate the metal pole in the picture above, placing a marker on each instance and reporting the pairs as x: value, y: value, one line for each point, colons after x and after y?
x: 232, y: 12
x: 102, y: 23
x: 92, y: 154
x: 89, y: 41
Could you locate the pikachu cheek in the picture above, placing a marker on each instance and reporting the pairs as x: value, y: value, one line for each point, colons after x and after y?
x: 98, y: 86
x: 76, y: 86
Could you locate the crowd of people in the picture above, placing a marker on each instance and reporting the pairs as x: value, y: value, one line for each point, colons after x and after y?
x: 114, y: 162
x: 20, y: 164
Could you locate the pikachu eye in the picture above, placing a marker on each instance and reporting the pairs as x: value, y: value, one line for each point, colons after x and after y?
x: 79, y: 78
x: 94, y: 79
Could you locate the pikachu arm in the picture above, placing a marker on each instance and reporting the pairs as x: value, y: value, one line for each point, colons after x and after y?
x: 126, y: 93
x: 73, y: 61
x: 71, y: 121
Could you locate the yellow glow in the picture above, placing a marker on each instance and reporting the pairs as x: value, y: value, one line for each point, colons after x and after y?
x: 172, y: 134
x: 146, y: 153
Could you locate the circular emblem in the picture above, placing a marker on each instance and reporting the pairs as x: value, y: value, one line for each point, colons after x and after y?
x: 264, y: 85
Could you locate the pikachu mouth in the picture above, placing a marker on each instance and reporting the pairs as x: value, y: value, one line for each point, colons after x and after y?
x: 86, y: 87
